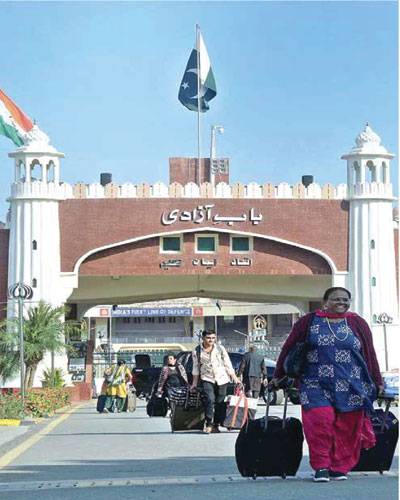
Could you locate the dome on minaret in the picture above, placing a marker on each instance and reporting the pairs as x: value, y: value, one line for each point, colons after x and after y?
x: 368, y: 142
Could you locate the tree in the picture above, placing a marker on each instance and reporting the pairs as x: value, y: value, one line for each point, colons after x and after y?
x: 9, y: 350
x: 44, y: 330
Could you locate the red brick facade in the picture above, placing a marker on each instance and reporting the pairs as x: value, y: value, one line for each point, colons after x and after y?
x: 90, y: 224
x: 268, y: 257
x: 4, y: 239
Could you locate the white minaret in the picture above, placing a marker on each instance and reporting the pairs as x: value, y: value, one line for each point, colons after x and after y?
x: 372, y: 268
x: 34, y: 251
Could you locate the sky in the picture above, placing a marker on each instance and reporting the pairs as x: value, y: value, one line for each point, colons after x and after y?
x: 296, y: 83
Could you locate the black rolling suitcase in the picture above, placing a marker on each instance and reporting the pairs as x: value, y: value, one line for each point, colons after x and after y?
x: 188, y: 416
x: 270, y: 446
x: 101, y: 401
x: 157, y: 407
x: 386, y: 428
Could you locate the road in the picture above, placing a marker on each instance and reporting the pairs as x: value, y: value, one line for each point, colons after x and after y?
x: 85, y: 455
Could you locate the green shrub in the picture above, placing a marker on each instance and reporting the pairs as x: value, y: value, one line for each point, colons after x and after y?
x: 38, y: 403
x: 53, y: 378
x: 10, y: 406
x: 43, y: 402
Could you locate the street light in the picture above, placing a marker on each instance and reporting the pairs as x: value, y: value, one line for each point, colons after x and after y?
x: 384, y: 319
x: 21, y: 292
x: 246, y: 342
x: 213, y: 151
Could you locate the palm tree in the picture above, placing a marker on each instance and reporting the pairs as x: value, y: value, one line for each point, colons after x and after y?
x: 44, y: 330
x: 9, y: 351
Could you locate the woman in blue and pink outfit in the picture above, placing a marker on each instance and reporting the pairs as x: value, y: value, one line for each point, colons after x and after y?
x: 339, y: 385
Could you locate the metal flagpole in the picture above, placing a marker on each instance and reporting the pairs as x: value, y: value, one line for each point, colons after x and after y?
x: 198, y: 103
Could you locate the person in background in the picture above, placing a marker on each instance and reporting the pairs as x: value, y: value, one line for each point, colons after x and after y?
x: 338, y: 385
x: 172, y: 376
x: 117, y: 378
x: 213, y: 369
x: 252, y: 370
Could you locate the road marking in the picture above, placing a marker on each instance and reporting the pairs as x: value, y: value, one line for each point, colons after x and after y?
x: 18, y: 450
x: 160, y: 481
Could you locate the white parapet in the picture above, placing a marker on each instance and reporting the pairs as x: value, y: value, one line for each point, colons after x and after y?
x: 253, y: 190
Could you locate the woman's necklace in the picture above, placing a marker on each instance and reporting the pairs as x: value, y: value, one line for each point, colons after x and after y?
x: 334, y: 334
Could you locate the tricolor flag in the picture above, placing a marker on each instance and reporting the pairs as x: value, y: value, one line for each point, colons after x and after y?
x: 14, y: 123
x: 188, y: 91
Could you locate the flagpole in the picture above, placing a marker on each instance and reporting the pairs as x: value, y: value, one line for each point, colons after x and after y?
x: 198, y: 103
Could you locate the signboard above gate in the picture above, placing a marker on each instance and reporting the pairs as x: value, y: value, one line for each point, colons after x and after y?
x: 129, y: 312
x: 204, y: 213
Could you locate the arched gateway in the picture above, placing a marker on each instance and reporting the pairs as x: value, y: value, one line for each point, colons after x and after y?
x: 109, y: 244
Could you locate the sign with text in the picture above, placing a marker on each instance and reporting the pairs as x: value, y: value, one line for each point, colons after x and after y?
x: 126, y: 312
x: 205, y: 213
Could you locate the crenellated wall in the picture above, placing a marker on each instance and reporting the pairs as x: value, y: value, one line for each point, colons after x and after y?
x: 176, y: 190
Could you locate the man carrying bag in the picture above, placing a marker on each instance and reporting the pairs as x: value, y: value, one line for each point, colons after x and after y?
x: 213, y: 368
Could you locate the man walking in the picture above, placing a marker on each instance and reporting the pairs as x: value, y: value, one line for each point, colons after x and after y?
x: 252, y: 368
x: 212, y: 365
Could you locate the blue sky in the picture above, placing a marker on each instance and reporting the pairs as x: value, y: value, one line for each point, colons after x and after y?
x: 296, y: 83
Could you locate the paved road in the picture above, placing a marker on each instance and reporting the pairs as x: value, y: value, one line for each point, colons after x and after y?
x: 97, y: 456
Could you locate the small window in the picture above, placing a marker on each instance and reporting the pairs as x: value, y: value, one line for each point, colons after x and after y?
x: 34, y: 283
x: 161, y: 319
x: 126, y: 320
x: 206, y: 244
x: 172, y: 320
x: 149, y: 320
x: 34, y: 245
x: 240, y: 244
x: 137, y: 320
x: 171, y: 244
x: 372, y: 244
x: 373, y: 281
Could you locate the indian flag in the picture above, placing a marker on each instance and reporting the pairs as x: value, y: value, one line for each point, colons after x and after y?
x: 14, y: 123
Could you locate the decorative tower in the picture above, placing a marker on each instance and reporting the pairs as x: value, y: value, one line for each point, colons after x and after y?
x: 372, y: 267
x: 34, y: 251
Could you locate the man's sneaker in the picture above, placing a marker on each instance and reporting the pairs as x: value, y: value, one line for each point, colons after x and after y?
x: 208, y: 429
x: 337, y: 476
x: 321, y: 476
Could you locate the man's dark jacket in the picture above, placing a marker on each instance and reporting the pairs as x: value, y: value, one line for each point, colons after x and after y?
x: 252, y: 365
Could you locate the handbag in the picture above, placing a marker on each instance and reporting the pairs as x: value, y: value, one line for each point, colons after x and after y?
x: 295, y: 361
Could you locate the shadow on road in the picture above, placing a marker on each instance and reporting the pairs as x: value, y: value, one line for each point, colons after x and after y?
x: 101, y: 469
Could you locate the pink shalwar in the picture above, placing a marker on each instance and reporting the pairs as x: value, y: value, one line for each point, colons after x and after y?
x: 335, y: 439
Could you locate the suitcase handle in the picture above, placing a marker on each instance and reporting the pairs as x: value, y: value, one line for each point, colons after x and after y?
x: 267, y: 404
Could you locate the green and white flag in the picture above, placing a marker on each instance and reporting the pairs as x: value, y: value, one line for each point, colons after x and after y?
x: 188, y: 91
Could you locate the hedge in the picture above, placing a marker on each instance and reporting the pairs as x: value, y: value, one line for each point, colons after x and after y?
x: 38, y: 403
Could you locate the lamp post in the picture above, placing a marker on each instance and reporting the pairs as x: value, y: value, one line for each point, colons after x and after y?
x: 109, y: 340
x: 384, y: 319
x: 213, y: 150
x: 20, y: 292
x: 246, y: 342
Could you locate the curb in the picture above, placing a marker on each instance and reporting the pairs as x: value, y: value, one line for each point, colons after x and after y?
x: 9, y: 422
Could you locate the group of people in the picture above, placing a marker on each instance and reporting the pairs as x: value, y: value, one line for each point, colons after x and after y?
x: 212, y: 371
x: 115, y: 387
x: 339, y: 384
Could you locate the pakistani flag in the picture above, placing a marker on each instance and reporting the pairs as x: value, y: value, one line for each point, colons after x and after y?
x: 188, y: 91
